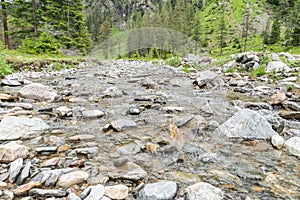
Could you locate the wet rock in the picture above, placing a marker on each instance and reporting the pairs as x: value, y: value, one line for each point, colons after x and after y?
x: 112, y: 92
x: 292, y: 115
x: 23, y: 189
x: 128, y: 170
x: 203, y: 191
x: 277, y: 66
x: 246, y: 124
x: 116, y: 191
x: 92, y: 113
x: 14, y: 170
x: 72, y: 178
x: 121, y: 124
x: 81, y: 138
x: 291, y: 105
x: 163, y: 190
x: 39, y: 92
x: 13, y: 128
x: 277, y: 141
x: 292, y: 145
x: 93, y: 193
x: 64, y: 111
x: 73, y: 196
x: 209, y: 80
x: 47, y: 193
x: 12, y: 151
x: 25, y: 173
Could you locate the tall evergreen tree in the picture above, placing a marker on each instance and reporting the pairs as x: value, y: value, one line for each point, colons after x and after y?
x: 275, y: 33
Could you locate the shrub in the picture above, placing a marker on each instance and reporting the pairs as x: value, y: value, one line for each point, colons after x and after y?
x: 259, y: 71
x: 4, y: 67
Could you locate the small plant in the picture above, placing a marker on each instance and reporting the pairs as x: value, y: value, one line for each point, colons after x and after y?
x: 174, y: 61
x: 290, y: 87
x: 4, y: 68
x: 257, y: 72
x: 58, y: 66
x: 230, y: 70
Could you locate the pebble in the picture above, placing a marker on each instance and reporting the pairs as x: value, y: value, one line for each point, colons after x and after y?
x: 203, y: 191
x: 24, y: 174
x: 12, y: 151
x: 292, y: 145
x: 163, y: 190
x: 23, y: 189
x: 14, y: 169
x: 73, y: 196
x: 72, y: 178
x: 50, y: 162
x: 81, y: 138
x: 128, y: 170
x: 116, y: 191
x: 87, y: 151
x: 11, y: 83
x: 95, y: 192
x: 121, y: 124
x: 92, y: 114
x: 51, y: 149
x: 64, y: 111
x: 277, y: 141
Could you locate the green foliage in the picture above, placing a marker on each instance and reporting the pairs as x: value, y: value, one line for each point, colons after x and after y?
x: 259, y: 71
x: 230, y: 70
x: 290, y: 87
x: 173, y: 61
x: 5, y: 68
x: 275, y: 33
x: 45, y: 44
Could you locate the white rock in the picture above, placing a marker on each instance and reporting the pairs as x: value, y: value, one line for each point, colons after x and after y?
x: 12, y: 151
x: 163, y: 190
x: 116, y: 191
x: 277, y: 141
x: 64, y: 111
x: 277, y: 66
x: 38, y: 91
x: 72, y: 178
x: 292, y: 145
x: 204, y: 191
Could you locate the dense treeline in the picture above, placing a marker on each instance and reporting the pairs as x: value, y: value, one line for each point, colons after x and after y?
x: 37, y: 26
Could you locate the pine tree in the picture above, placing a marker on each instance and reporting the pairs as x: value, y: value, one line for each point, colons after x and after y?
x: 275, y: 33
x: 5, y: 25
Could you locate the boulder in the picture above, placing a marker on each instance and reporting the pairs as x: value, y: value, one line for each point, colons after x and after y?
x: 39, y: 92
x: 203, y: 191
x: 292, y: 145
x: 12, y: 151
x: 208, y: 79
x: 247, y: 124
x: 163, y: 190
x: 277, y: 66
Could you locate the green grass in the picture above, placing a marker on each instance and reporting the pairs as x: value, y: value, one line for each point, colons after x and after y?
x: 257, y: 72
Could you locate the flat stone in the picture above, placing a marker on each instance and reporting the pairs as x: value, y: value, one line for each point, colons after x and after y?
x: 26, y: 106
x: 46, y: 149
x: 208, y: 79
x: 292, y: 145
x: 73, y: 196
x: 24, y: 174
x: 50, y: 162
x: 258, y: 106
x: 246, y: 124
x: 291, y: 105
x: 11, y: 83
x: 12, y: 151
x: 92, y: 113
x: 14, y: 169
x: 88, y: 150
x: 277, y: 141
x: 163, y: 190
x: 23, y: 189
x: 81, y: 138
x: 116, y: 191
x: 112, y: 92
x: 64, y: 111
x: 128, y: 170
x: 129, y: 149
x: 171, y: 109
x: 72, y: 178
x: 93, y: 193
x: 47, y: 193
x: 203, y: 191
x: 39, y: 92
x: 121, y: 124
x: 13, y: 128
x: 293, y: 115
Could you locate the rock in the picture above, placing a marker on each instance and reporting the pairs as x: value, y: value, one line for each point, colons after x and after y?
x: 64, y: 111
x: 92, y: 113
x: 87, y: 151
x: 26, y: 106
x: 14, y: 169
x: 171, y: 109
x: 291, y: 105
x: 163, y: 190
x: 12, y: 151
x: 50, y: 162
x: 148, y: 83
x: 277, y: 66
x: 6, y: 97
x: 134, y: 111
x: 93, y: 193
x: 47, y: 193
x: 277, y: 98
x: 39, y: 92
x: 121, y: 124
x: 78, y: 138
x: 128, y: 170
x: 73, y: 196
x: 129, y: 149
x: 247, y: 57
x: 116, y: 191
x: 277, y: 141
x: 290, y: 115
x: 292, y: 145
x: 13, y: 128
x: 209, y: 80
x: 23, y: 189
x: 11, y: 83
x: 192, y: 58
x: 25, y: 173
x: 203, y: 191
x: 246, y: 124
x: 183, y: 121
x: 112, y: 92
x: 72, y: 178
x: 50, y: 149
x: 258, y: 106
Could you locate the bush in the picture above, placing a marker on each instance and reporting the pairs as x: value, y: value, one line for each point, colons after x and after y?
x: 45, y: 44
x: 259, y: 71
x: 174, y: 61
x: 4, y: 67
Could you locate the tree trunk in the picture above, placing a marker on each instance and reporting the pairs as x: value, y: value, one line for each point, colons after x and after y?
x: 5, y: 26
x: 34, y: 19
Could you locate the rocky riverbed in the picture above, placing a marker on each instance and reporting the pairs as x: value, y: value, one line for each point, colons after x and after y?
x: 136, y: 130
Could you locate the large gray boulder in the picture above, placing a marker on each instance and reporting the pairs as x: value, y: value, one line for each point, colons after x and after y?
x: 38, y: 91
x: 163, y: 190
x: 208, y: 79
x: 277, y: 66
x: 203, y: 191
x: 292, y: 145
x: 246, y: 124
x: 13, y: 128
x: 12, y: 151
